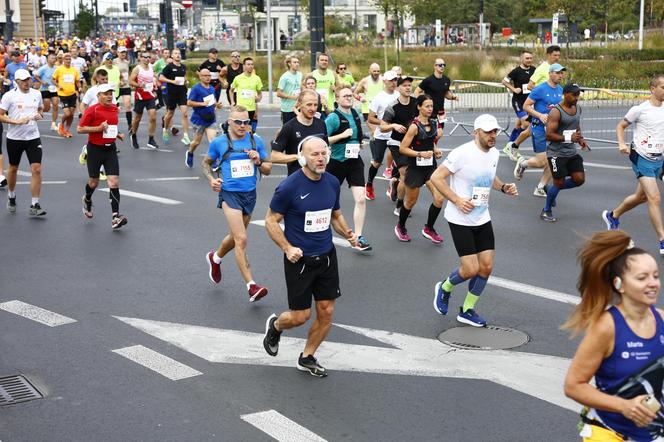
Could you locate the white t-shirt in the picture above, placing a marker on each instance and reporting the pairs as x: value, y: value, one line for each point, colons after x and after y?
x: 90, y: 97
x: 473, y: 171
x: 378, y: 105
x: 79, y: 63
x: 649, y: 129
x: 36, y: 60
x: 18, y: 104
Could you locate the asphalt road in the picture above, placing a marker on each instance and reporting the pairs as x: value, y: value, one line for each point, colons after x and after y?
x: 390, y: 386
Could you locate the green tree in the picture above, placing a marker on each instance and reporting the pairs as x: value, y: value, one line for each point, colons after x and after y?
x: 85, y: 20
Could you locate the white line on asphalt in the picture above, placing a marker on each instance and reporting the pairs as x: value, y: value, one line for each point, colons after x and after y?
x: 43, y: 182
x: 173, y: 178
x: 156, y: 150
x: 35, y: 313
x: 22, y: 173
x: 155, y: 361
x: 53, y: 137
x: 280, y: 427
x: 606, y: 166
x: 146, y: 197
x: 335, y: 239
x: 533, y: 290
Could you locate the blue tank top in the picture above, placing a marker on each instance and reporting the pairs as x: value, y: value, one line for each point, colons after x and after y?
x: 631, y: 353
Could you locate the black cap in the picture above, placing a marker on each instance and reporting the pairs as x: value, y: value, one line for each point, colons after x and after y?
x: 213, y: 50
x: 16, y: 54
x: 572, y: 88
x: 404, y: 79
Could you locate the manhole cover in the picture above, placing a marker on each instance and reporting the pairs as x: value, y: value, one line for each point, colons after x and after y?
x: 15, y: 389
x: 491, y: 337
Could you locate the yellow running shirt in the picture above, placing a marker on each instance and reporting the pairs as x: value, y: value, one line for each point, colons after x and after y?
x: 66, y: 78
x: 246, y: 89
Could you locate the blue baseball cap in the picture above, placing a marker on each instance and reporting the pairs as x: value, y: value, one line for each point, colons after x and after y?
x: 557, y: 67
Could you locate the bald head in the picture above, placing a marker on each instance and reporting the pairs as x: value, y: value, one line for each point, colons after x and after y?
x: 374, y: 70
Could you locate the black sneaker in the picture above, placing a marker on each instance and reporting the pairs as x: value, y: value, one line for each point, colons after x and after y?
x: 311, y: 365
x: 272, y: 336
x: 11, y: 205
x: 36, y: 210
x: 134, y: 141
x: 118, y: 221
x: 547, y: 216
x: 152, y: 144
x: 3, y: 182
x: 87, y: 207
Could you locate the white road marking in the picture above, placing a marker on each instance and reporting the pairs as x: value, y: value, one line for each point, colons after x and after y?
x: 540, y: 376
x: 22, y: 173
x: 43, y: 182
x: 335, y: 239
x: 155, y: 150
x: 146, y: 197
x: 533, y: 290
x: 174, y: 178
x: 280, y: 427
x: 53, y: 137
x: 155, y: 361
x: 35, y: 313
x: 606, y: 166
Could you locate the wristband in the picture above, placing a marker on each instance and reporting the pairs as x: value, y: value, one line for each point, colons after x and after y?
x: 502, y: 188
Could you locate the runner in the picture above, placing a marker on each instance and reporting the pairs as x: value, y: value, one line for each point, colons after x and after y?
x: 308, y: 204
x: 344, y: 129
x: 229, y: 72
x: 517, y: 82
x: 158, y: 67
x: 621, y: 338
x: 66, y: 77
x: 124, y: 90
x: 645, y: 153
x: 437, y: 86
x: 14, y: 65
x: 203, y: 102
x: 367, y: 88
x: 20, y: 109
x: 538, y: 104
x: 288, y: 88
x: 284, y: 146
x: 100, y: 122
x: 49, y: 91
x: 175, y: 75
x: 79, y: 63
x: 563, y: 130
x: 89, y: 99
x: 326, y: 81
x: 472, y: 171
x: 376, y: 110
x: 419, y: 146
x: 214, y: 66
x: 345, y: 77
x: 242, y: 155
x: 247, y: 87
x: 143, y: 80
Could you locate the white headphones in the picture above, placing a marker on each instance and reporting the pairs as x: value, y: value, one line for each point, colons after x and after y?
x: 617, y: 283
x: 301, y: 159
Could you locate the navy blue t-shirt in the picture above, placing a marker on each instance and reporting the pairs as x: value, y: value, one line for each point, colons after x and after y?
x: 307, y: 208
x: 199, y: 94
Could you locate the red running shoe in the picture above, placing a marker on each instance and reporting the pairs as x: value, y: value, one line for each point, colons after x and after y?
x: 215, y: 269
x: 369, y: 192
x: 256, y: 292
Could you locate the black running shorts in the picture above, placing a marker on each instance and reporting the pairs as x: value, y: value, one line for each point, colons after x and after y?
x: 69, y: 101
x: 471, y: 240
x: 176, y: 98
x: 316, y: 276
x: 141, y: 105
x: 417, y: 176
x: 351, y: 170
x: 32, y: 149
x: 124, y: 91
x: 400, y: 160
x: 104, y: 155
x: 565, y: 166
x: 378, y: 148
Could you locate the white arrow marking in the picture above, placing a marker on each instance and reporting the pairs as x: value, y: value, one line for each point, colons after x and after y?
x: 280, y: 427
x: 146, y: 197
x: 35, y: 313
x: 540, y: 376
x: 155, y: 361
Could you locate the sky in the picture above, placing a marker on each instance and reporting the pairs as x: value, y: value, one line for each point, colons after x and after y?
x: 66, y: 5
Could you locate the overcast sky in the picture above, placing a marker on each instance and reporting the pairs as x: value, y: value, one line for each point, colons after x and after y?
x: 70, y: 6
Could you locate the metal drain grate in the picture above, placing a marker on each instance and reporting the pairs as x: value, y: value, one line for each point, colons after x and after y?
x: 491, y: 337
x: 15, y: 389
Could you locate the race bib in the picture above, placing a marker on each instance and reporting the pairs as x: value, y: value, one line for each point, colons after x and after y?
x: 247, y: 94
x: 52, y: 88
x: 179, y: 81
x: 318, y: 221
x: 567, y: 134
x: 210, y: 100
x: 352, y: 150
x: 148, y: 87
x: 68, y: 78
x: 242, y: 168
x: 524, y: 89
x: 111, y: 131
x: 424, y: 161
x: 654, y: 146
x: 323, y: 94
x: 214, y: 75
x: 480, y: 196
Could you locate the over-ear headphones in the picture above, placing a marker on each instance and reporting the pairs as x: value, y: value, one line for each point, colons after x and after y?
x: 617, y: 283
x: 301, y: 159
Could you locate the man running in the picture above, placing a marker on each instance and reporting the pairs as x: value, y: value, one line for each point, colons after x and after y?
x: 308, y: 204
x: 563, y: 130
x: 175, y: 76
x: 66, y: 77
x: 517, y: 82
x: 124, y: 90
x: 288, y: 88
x: 20, y: 109
x: 344, y: 129
x: 100, y: 122
x: 645, y: 153
x: 326, y: 80
x: 214, y: 66
x: 49, y: 91
x: 367, y: 88
x: 247, y: 88
x: 229, y: 72
x: 79, y: 63
x: 242, y: 155
x: 143, y: 79
x: 538, y: 104
x: 159, y: 66
x: 202, y: 100
x: 345, y: 77
x: 472, y: 171
x: 437, y: 86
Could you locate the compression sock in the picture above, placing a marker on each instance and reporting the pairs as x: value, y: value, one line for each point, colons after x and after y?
x: 476, y: 285
x: 403, y: 216
x: 254, y: 125
x: 452, y: 280
x: 470, y: 301
x: 114, y: 195
x: 399, y: 204
x: 569, y: 183
x: 551, y: 194
x: 373, y: 171
x: 88, y: 192
x: 128, y: 115
x: 433, y: 216
x: 514, y: 134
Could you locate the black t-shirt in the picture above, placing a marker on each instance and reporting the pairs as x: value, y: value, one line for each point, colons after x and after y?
x: 402, y: 114
x: 292, y: 133
x: 436, y: 88
x: 518, y: 77
x: 213, y: 67
x: 171, y: 71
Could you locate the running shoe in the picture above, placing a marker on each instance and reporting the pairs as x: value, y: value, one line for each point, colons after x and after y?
x: 165, y: 135
x: 256, y: 292
x: 369, y: 192
x: 395, y: 186
x: 387, y: 173
x: 362, y: 244
x: 388, y: 192
x: 441, y: 298
x: 102, y: 175
x: 540, y: 192
x: 432, y: 235
x: 215, y: 269
x: 189, y: 159
x: 3, y: 181
x: 185, y: 140
x: 36, y: 210
x: 61, y: 130
x: 152, y: 144
x: 661, y: 247
x: 83, y: 157
x: 54, y: 127
x: 611, y: 222
x: 134, y: 141
x: 547, y: 216
x: 396, y: 211
x: 118, y: 221
x: 511, y: 151
x: 11, y: 205
x: 401, y: 233
x: 470, y: 317
x: 520, y: 168
x: 311, y: 365
x: 68, y: 134
x: 87, y: 207
x: 174, y: 131
x: 272, y: 336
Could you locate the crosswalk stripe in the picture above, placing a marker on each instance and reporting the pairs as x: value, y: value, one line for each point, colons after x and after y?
x: 35, y: 313
x: 146, y: 197
x: 280, y: 427
x: 165, y: 366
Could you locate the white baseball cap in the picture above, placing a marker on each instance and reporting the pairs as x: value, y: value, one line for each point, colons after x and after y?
x: 122, y: 49
x: 103, y: 88
x: 389, y: 76
x: 21, y: 74
x: 486, y: 123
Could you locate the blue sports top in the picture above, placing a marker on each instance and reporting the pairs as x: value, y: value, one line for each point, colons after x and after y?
x: 545, y: 98
x: 238, y: 172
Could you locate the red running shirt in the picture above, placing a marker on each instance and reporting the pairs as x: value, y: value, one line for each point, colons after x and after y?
x: 97, y: 114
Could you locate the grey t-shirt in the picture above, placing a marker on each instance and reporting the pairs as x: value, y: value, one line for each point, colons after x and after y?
x: 568, y: 123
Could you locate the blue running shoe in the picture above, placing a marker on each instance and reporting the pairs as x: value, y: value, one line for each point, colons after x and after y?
x: 611, y: 222
x: 470, y: 317
x: 661, y: 247
x: 189, y: 159
x: 441, y: 298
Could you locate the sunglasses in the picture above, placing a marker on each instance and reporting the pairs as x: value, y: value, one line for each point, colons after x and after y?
x: 347, y: 96
x: 145, y: 56
x: 342, y: 68
x: 235, y: 56
x: 246, y: 122
x: 441, y: 65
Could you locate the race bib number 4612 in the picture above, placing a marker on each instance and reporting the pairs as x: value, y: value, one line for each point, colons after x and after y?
x: 317, y: 221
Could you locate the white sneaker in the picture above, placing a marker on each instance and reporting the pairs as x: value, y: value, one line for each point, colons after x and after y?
x: 54, y: 127
x: 540, y: 191
x: 185, y: 140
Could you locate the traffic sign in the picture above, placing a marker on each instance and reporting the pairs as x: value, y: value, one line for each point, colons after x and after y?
x: 187, y: 3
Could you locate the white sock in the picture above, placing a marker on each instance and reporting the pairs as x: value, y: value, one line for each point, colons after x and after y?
x: 216, y: 258
x: 2, y: 177
x: 11, y: 194
x: 35, y: 201
x: 249, y: 283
